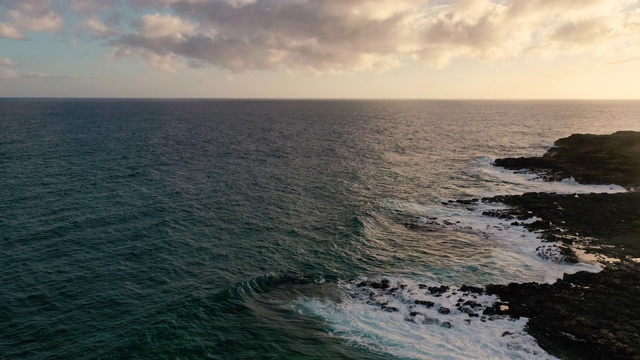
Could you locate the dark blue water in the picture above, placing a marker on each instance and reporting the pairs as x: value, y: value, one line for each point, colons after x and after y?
x: 192, y: 228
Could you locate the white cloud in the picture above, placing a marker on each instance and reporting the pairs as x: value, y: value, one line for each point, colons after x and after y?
x: 336, y: 36
x: 96, y: 27
x: 333, y: 36
x: 7, y: 73
x: 10, y: 31
x: 28, y: 15
x: 158, y: 25
x: 101, y: 18
x: 169, y: 62
x: 7, y: 70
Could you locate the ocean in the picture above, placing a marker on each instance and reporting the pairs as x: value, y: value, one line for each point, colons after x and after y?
x: 253, y: 229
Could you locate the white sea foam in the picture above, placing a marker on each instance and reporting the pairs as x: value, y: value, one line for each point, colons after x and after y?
x: 508, y: 182
x: 390, y: 321
x: 515, y: 251
x: 520, y: 254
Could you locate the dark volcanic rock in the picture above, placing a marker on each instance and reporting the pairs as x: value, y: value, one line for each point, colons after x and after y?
x: 425, y: 303
x: 584, y: 315
x: 471, y: 289
x: 593, y: 159
x: 614, y: 217
x: 438, y: 289
x: 384, y: 284
x: 467, y: 201
x: 389, y: 308
x: 472, y: 304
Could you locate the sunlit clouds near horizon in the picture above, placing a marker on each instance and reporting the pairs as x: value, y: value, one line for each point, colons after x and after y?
x: 331, y: 48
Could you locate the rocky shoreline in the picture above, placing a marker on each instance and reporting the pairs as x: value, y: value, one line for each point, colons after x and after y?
x: 589, y: 159
x: 584, y: 315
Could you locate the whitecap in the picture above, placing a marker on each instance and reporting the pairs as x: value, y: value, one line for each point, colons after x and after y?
x: 518, y: 255
x: 406, y: 320
x: 511, y: 182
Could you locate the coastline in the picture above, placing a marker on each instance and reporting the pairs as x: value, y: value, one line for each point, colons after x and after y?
x: 583, y: 315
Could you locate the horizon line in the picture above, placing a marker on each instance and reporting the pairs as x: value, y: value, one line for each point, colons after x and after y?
x: 313, y: 98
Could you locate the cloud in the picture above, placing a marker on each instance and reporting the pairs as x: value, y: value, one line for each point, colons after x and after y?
x: 582, y: 32
x: 92, y: 7
x: 338, y: 36
x: 6, y: 62
x: 96, y: 27
x: 101, y: 19
x: 7, y: 70
x: 307, y: 36
x: 157, y: 26
x: 627, y: 60
x: 334, y: 36
x: 10, y: 31
x: 19, y: 17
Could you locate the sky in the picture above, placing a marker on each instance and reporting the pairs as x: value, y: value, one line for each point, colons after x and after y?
x: 438, y: 49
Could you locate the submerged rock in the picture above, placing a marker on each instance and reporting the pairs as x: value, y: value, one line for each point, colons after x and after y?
x: 444, y: 310
x: 430, y: 321
x: 426, y: 303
